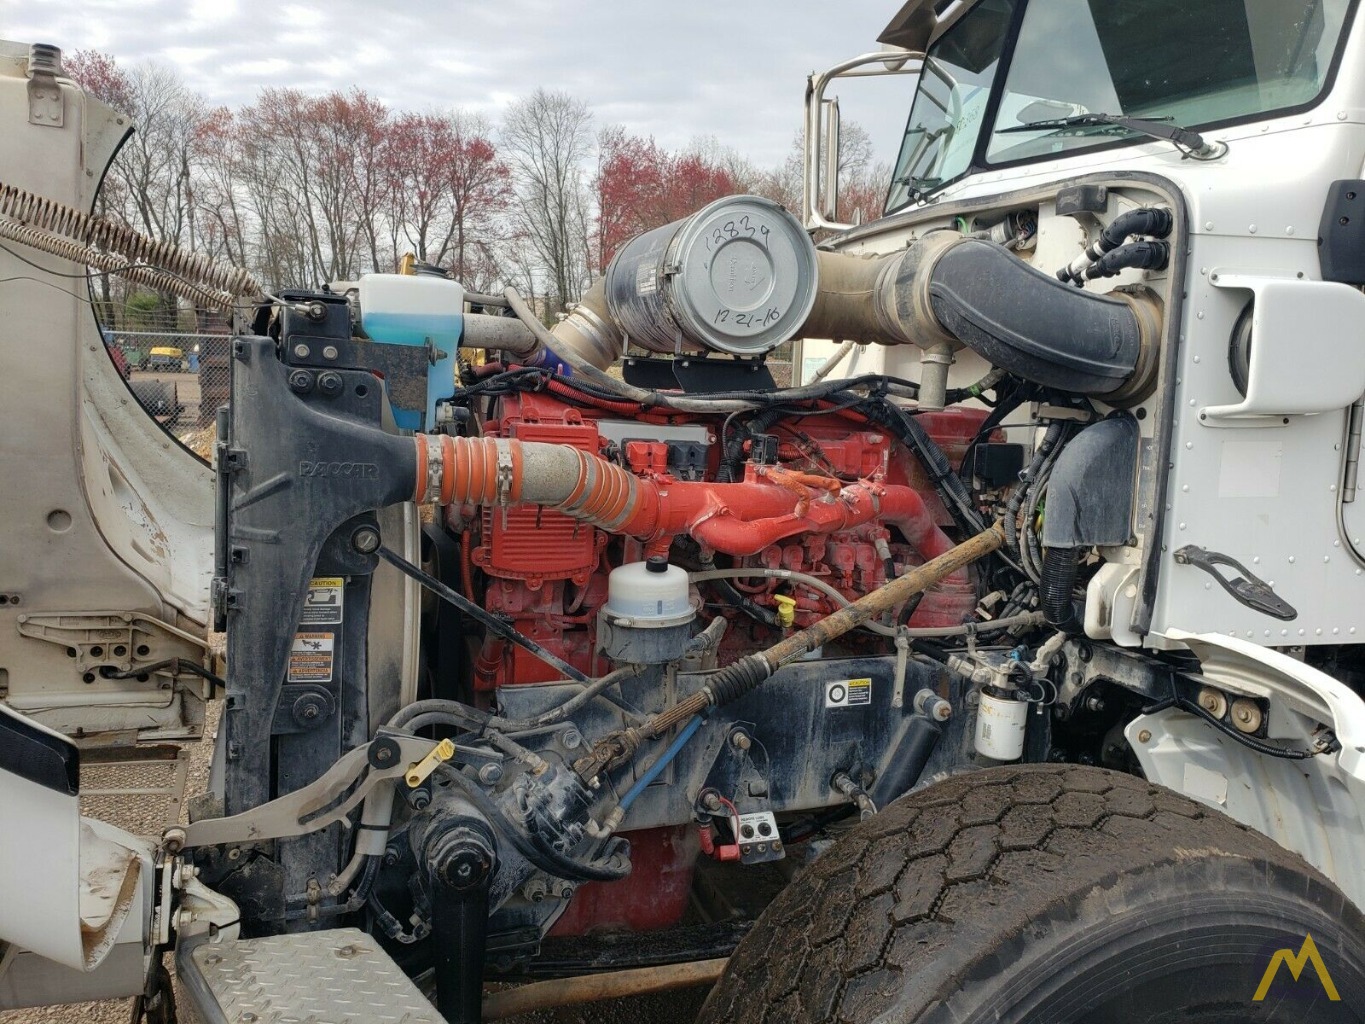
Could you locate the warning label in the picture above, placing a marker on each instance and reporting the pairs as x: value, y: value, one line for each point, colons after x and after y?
x: 310, y: 660
x: 322, y: 606
x: 848, y: 693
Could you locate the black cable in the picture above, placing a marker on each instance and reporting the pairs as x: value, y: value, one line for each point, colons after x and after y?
x: 176, y: 666
x: 1269, y: 749
x: 488, y: 619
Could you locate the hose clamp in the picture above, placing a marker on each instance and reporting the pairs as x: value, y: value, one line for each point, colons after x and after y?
x: 505, y: 474
x: 434, y: 464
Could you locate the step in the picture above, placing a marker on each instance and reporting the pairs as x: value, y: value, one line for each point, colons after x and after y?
x: 339, y: 976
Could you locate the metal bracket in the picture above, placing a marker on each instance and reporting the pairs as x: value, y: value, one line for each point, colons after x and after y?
x: 1246, y: 589
x: 121, y: 640
x: 45, y: 105
x: 328, y: 800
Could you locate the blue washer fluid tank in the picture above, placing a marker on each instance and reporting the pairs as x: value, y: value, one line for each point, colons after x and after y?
x: 420, y: 311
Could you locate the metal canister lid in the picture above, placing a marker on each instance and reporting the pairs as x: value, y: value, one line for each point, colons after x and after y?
x: 743, y: 275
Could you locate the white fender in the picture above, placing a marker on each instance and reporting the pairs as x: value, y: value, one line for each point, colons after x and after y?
x: 1315, y: 806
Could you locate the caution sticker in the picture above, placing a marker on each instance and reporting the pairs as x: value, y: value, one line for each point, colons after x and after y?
x: 322, y: 606
x: 310, y: 660
x: 848, y: 693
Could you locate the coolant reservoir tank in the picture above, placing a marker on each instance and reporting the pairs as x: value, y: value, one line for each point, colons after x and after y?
x: 647, y: 619
x: 648, y: 593
x: 405, y: 309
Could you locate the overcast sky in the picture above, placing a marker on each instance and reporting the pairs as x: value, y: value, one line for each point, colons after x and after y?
x: 734, y: 69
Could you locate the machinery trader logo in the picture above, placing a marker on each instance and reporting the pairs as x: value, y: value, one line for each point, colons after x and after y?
x: 1308, y: 953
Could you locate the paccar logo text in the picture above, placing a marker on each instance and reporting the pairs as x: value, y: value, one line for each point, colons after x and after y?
x: 359, y: 470
x: 1308, y: 953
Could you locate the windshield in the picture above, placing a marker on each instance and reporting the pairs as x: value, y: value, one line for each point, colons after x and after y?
x: 1194, y: 63
x: 950, y: 102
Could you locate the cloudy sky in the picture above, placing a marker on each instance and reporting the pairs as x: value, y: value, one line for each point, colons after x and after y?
x: 733, y: 69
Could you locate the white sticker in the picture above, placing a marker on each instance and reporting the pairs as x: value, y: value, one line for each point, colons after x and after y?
x: 322, y: 606
x: 848, y: 693
x: 645, y: 281
x: 310, y: 659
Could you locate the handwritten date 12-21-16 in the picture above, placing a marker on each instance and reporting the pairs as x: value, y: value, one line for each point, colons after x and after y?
x: 757, y: 319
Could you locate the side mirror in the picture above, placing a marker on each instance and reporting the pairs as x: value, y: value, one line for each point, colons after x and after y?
x: 829, y: 208
x: 820, y: 158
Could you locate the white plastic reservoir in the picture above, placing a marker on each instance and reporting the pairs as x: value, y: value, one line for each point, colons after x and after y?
x: 404, y: 309
x: 650, y: 590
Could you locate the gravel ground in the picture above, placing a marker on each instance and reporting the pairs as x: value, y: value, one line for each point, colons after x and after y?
x: 144, y: 815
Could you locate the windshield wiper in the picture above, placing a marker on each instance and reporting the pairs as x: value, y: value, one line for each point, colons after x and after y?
x: 1191, y: 143
x: 918, y: 189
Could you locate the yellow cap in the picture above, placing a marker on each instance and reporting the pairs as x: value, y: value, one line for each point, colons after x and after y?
x: 786, y: 609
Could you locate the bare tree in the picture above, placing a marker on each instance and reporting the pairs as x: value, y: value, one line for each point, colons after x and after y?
x: 547, y: 139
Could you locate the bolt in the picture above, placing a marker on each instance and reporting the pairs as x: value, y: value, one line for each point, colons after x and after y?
x: 301, y: 351
x: 329, y: 352
x: 1246, y: 715
x: 572, y: 739
x: 301, y: 382
x: 1094, y: 703
x: 383, y: 754
x: 316, y: 311
x: 365, y: 540
x: 741, y: 740
x: 490, y: 774
x: 235, y: 853
x: 213, y: 959
x: 1145, y: 736
x: 1213, y: 702
x: 330, y: 384
x: 711, y: 801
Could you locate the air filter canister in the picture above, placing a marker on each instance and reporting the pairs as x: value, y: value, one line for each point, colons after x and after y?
x: 737, y: 276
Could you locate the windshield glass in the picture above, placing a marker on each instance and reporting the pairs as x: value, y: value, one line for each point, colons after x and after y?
x: 950, y: 102
x: 1192, y: 62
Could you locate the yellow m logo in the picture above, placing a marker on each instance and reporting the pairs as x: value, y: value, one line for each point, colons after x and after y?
x: 1308, y: 953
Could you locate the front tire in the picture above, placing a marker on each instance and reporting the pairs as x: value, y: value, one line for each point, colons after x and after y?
x: 1054, y: 894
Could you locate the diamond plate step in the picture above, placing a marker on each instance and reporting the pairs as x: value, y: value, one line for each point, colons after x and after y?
x: 340, y: 976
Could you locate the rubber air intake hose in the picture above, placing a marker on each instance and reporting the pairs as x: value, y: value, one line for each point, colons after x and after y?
x: 1038, y: 327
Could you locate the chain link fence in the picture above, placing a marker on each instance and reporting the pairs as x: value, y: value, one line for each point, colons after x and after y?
x: 176, y: 365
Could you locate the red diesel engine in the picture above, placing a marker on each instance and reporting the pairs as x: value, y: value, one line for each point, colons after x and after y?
x: 831, y: 497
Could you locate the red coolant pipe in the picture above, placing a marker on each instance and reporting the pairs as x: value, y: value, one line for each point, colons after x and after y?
x: 737, y: 519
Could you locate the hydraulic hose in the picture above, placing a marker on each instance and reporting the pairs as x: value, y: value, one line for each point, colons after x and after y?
x: 1147, y: 255
x: 1148, y: 220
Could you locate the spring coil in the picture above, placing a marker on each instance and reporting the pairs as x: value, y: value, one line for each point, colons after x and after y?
x: 207, y: 298
x: 93, y: 233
